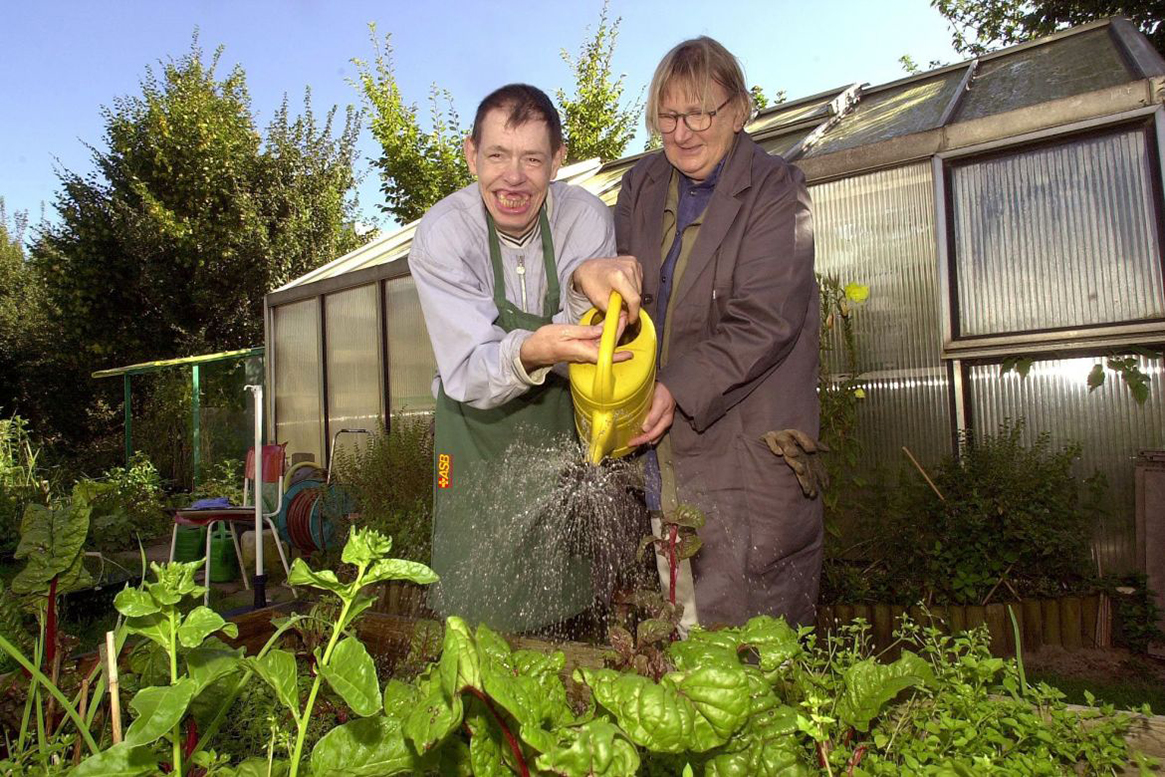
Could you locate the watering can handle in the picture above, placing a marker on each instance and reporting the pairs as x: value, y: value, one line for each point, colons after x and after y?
x: 604, y: 385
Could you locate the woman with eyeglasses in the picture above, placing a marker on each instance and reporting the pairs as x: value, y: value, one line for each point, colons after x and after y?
x: 723, y: 231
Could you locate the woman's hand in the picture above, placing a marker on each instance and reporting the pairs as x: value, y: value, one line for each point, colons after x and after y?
x: 659, y: 417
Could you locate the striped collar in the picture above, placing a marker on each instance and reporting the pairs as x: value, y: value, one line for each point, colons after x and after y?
x: 527, y: 237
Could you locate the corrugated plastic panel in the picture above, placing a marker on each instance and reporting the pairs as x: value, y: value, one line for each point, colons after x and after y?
x: 912, y: 107
x: 1108, y: 423
x: 297, y: 378
x: 353, y: 359
x: 411, y: 364
x: 1071, y: 65
x: 1057, y: 236
x: 878, y: 230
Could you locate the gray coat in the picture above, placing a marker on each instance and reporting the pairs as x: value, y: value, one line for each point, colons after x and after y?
x: 743, y: 360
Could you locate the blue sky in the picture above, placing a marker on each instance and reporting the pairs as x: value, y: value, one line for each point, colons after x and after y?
x: 63, y: 61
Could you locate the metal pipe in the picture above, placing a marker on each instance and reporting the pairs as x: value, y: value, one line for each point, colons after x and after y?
x: 260, y: 577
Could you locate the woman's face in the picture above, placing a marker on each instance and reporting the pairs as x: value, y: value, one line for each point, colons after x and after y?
x: 696, y: 154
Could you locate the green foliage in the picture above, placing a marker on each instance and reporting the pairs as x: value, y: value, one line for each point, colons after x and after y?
x: 840, y: 389
x: 1126, y: 364
x: 978, y: 26
x: 417, y: 168
x: 594, y: 123
x: 21, y: 480
x: 392, y: 479
x: 51, y: 542
x: 125, y: 505
x: 23, y: 330
x: 1135, y: 624
x: 1013, y: 515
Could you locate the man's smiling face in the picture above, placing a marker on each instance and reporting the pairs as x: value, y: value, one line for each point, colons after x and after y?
x: 514, y: 166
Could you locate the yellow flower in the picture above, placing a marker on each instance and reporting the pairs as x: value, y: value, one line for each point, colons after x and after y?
x: 857, y: 292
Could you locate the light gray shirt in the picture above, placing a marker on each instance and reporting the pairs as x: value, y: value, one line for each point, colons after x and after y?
x: 479, y: 363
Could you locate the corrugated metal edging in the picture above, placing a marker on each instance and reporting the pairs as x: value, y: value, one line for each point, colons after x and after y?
x: 1057, y: 236
x: 1107, y: 422
x: 878, y: 230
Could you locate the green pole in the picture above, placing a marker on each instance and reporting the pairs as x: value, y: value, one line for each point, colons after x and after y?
x: 196, y: 455
x: 128, y: 419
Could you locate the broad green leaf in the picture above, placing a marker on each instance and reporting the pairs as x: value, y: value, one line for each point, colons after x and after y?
x: 373, y: 746
x: 518, y: 694
x: 75, y: 578
x: 200, y: 624
x: 206, y: 664
x: 257, y: 767
x: 365, y: 546
x: 399, y: 569
x: 433, y: 719
x: 1096, y: 377
x: 693, y: 711
x: 352, y: 674
x: 277, y: 669
x: 652, y: 630
x: 598, y: 748
x: 399, y: 698
x: 302, y: 574
x: 767, y: 746
x: 134, y: 602
x: 775, y: 641
x: 174, y: 581
x: 459, y: 665
x: 159, y: 709
x: 361, y: 603
x: 155, y: 627
x: 547, y: 670
x: 123, y: 760
x: 51, y: 540
x: 869, y: 686
x: 487, y: 750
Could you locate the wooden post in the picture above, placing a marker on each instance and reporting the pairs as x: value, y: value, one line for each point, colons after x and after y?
x: 844, y: 614
x: 824, y: 620
x: 976, y: 616
x: 114, y: 699
x: 958, y: 615
x: 1051, y: 612
x: 1033, y: 625
x: 882, y: 626
x: 1089, y: 609
x: 1000, y: 626
x: 862, y: 611
x: 1070, y: 622
x: 82, y: 710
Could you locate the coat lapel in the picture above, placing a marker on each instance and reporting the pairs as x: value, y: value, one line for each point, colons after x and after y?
x: 722, y: 209
x: 650, y: 226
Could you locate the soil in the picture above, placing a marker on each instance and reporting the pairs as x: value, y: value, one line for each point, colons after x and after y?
x: 1126, y: 680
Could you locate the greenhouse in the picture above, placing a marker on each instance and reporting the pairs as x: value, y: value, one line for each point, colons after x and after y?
x: 1000, y: 209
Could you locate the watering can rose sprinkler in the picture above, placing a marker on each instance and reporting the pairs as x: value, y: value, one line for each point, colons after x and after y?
x: 611, y: 400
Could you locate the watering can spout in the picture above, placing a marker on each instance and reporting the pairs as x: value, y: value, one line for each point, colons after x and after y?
x: 611, y: 400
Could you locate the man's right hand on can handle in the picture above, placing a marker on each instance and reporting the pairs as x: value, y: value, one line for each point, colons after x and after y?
x: 597, y: 278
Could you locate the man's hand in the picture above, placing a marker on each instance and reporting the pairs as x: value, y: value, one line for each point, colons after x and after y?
x: 597, y: 278
x: 659, y: 417
x: 554, y: 343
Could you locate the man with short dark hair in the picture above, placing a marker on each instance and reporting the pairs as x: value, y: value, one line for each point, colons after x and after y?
x: 503, y: 267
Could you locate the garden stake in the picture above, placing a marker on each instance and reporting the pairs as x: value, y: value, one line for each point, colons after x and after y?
x: 998, y: 582
x: 81, y: 712
x: 925, y: 476
x: 114, y: 701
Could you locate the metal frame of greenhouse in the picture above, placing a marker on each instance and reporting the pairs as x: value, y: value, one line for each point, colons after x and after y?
x: 1006, y: 206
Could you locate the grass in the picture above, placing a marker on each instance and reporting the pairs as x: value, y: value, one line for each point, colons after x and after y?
x: 1124, y: 694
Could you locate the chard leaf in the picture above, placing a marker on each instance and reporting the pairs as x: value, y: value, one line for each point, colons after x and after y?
x: 767, y: 746
x: 200, y: 624
x: 134, y: 603
x: 369, y: 747
x: 459, y: 666
x: 159, y: 709
x: 302, y: 574
x: 399, y: 569
x: 121, y: 760
x: 487, y: 751
x: 775, y: 641
x: 155, y: 627
x: 598, y: 748
x: 433, y: 719
x: 352, y: 674
x: 51, y: 540
x: 277, y: 669
x: 399, y: 699
x: 207, y: 664
x: 365, y: 546
x: 869, y: 686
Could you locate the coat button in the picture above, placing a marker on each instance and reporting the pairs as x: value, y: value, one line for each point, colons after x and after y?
x: 647, y: 299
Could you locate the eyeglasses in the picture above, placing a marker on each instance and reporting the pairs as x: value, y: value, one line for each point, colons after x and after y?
x: 697, y: 121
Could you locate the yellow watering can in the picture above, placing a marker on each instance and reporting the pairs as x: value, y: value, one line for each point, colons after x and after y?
x: 611, y: 399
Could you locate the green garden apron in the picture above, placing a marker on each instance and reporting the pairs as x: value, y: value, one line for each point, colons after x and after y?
x: 499, y: 563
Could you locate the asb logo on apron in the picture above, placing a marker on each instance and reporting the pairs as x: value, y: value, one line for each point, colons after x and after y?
x: 444, y: 470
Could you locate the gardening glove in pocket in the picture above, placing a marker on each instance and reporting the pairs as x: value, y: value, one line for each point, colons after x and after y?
x: 800, y: 452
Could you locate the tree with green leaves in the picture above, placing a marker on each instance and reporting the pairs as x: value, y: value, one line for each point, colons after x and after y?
x: 978, y: 26
x: 417, y: 168
x: 595, y: 123
x: 22, y: 321
x: 190, y: 217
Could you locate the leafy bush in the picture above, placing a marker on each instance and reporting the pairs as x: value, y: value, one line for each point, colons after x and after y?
x: 392, y: 480
x: 1013, y: 516
x: 126, y: 505
x: 21, y: 481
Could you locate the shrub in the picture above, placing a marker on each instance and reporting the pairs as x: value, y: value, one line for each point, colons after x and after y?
x: 21, y: 482
x: 1012, y: 514
x: 391, y: 478
x: 126, y: 505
